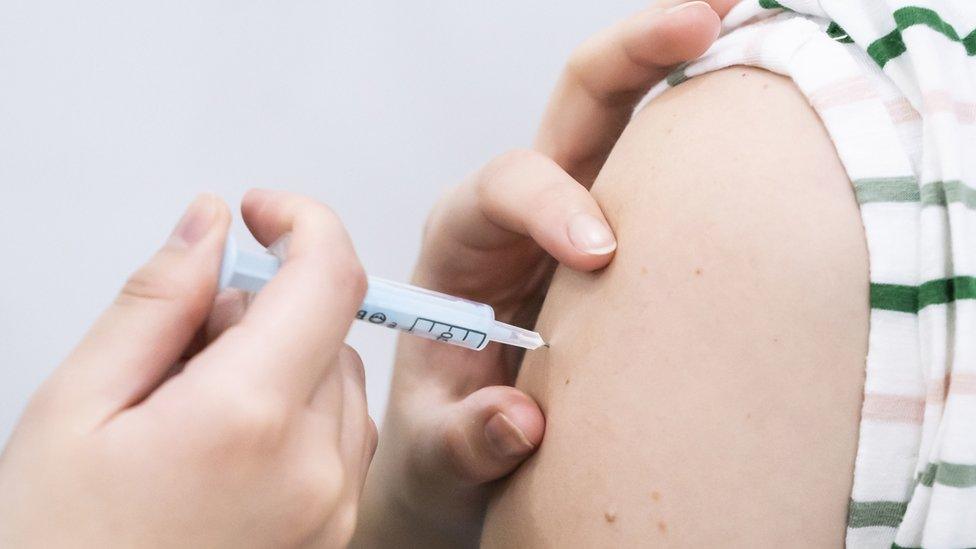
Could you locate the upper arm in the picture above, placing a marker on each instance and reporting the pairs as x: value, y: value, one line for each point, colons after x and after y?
x: 705, y: 387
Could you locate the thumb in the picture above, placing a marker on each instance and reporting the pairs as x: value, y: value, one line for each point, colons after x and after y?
x: 489, y: 433
x: 130, y: 348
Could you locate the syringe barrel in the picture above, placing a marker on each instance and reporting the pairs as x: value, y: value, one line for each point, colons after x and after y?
x: 417, y: 311
x: 427, y: 314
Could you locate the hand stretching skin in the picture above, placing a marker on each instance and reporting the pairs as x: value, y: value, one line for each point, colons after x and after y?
x: 454, y: 422
x: 258, y: 439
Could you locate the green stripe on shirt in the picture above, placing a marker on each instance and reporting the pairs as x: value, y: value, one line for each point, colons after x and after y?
x: 905, y: 189
x: 836, y: 32
x: 969, y: 42
x: 892, y: 45
x: 678, y: 75
x: 886, y: 189
x: 957, y: 475
x: 894, y: 297
x: 864, y: 514
x: 911, y: 299
x: 944, y: 192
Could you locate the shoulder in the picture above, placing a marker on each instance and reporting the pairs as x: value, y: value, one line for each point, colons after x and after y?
x: 718, y: 361
x: 733, y: 166
x: 742, y: 125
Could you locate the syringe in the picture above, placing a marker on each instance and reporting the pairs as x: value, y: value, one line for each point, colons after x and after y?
x: 410, y: 309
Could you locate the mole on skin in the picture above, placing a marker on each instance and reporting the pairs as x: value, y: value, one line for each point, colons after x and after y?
x: 610, y: 516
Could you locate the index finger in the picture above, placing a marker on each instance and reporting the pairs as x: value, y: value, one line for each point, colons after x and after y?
x: 608, y: 75
x: 296, y: 325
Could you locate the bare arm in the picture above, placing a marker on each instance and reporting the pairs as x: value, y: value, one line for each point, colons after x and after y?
x: 705, y: 387
x: 454, y: 424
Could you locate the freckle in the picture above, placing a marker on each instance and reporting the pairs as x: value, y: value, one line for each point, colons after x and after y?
x: 698, y: 271
x: 567, y: 381
x: 749, y: 415
x: 662, y: 527
x: 775, y: 340
x: 610, y: 516
x: 656, y: 496
x: 643, y: 270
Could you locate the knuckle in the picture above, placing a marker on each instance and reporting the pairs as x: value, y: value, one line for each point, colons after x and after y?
x: 457, y: 450
x: 43, y: 404
x: 316, y: 219
x: 513, y: 158
x: 338, y: 259
x: 446, y: 203
x: 516, y: 156
x: 316, y: 214
x: 315, y: 496
x: 148, y: 284
x: 251, y: 423
x: 349, y: 273
x: 350, y: 358
x: 559, y: 197
x: 321, y: 211
x: 152, y: 284
x: 587, y: 65
x: 345, y: 522
x: 500, y: 169
x: 580, y: 61
x: 372, y: 437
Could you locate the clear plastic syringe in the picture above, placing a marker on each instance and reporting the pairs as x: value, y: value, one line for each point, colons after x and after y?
x: 403, y: 307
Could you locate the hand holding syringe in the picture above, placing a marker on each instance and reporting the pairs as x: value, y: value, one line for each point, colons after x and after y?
x: 413, y: 310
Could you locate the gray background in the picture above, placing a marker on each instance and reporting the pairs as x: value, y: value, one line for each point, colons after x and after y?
x: 114, y: 115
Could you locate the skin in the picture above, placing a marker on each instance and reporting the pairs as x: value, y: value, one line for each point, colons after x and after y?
x: 705, y: 388
x: 156, y: 431
x: 454, y: 423
x: 184, y: 418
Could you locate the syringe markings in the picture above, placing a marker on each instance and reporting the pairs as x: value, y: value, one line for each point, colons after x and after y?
x: 447, y: 331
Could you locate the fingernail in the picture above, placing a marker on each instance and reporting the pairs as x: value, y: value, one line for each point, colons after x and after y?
x: 505, y: 438
x: 591, y: 235
x: 196, y: 221
x: 680, y: 7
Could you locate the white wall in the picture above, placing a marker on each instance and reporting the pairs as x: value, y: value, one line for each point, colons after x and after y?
x: 113, y: 115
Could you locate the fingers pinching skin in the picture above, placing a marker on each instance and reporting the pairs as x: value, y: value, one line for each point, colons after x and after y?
x: 525, y: 194
x: 131, y: 347
x: 293, y: 329
x: 489, y: 433
x: 608, y: 75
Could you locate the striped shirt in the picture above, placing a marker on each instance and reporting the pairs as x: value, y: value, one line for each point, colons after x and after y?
x: 894, y: 83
